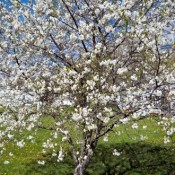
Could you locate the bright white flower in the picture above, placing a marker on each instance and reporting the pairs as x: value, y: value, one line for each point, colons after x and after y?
x: 96, y: 78
x: 76, y: 117
x: 86, y: 70
x: 135, y: 126
x: 67, y: 102
x: 48, y: 144
x: 105, y: 138
x: 1, y: 145
x: 113, y: 62
x: 109, y: 29
x: 81, y: 37
x: 116, y: 153
x: 6, y: 162
x: 91, y: 83
x: 172, y: 92
x: 41, y: 162
x: 11, y: 154
x: 158, y: 92
x: 10, y: 136
x: 91, y: 127
x: 122, y: 70
x: 170, y: 131
x: 134, y: 77
x: 4, y: 44
x: 98, y: 45
x: 55, y: 135
x: 44, y: 151
x: 30, y: 137
x: 30, y: 126
x: 135, y: 116
x: 105, y: 62
x: 54, y: 154
x: 85, y: 112
x: 144, y: 127
x: 124, y: 120
x: 73, y: 36
x: 64, y: 138
x: 21, y: 143
x: 97, y: 11
x: 60, y: 155
x: 166, y: 139
x: 106, y: 119
x: 143, y: 137
x: 151, y: 82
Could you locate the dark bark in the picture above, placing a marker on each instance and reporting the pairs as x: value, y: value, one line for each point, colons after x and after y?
x: 82, y: 165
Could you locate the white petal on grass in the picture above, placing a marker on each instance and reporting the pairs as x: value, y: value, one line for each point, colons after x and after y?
x: 6, y: 162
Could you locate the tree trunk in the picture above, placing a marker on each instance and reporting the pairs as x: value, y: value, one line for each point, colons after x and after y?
x: 80, y: 169
x: 85, y: 157
x: 82, y: 165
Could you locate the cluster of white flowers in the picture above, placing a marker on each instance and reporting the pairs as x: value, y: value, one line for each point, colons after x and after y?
x: 48, y: 144
x: 122, y: 70
x: 166, y: 139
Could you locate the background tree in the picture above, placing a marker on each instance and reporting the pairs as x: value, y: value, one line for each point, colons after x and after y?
x: 102, y: 60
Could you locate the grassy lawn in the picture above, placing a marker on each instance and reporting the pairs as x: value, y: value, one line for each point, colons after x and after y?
x: 137, y: 156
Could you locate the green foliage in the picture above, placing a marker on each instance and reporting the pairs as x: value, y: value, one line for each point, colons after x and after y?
x: 47, y: 122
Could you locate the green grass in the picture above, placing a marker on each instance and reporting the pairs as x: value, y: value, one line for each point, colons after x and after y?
x: 150, y: 156
x: 1, y: 109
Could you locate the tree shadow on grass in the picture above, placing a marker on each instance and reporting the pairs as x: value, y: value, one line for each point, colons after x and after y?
x: 135, y: 159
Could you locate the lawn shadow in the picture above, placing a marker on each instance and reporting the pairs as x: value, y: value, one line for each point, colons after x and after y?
x: 135, y: 159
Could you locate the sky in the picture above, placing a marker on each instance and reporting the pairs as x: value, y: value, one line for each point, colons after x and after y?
x: 6, y: 1
x: 21, y: 0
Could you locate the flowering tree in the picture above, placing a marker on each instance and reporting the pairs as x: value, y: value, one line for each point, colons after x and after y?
x: 102, y: 61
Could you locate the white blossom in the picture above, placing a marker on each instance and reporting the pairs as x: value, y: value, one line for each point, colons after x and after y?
x: 105, y: 138
x: 6, y: 162
x: 122, y: 70
x: 116, y: 153
x: 21, y: 143
x: 144, y: 127
x: 60, y: 155
x: 135, y: 126
x: 11, y: 154
x: 41, y: 162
